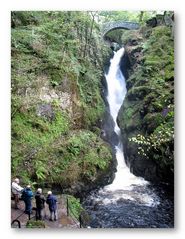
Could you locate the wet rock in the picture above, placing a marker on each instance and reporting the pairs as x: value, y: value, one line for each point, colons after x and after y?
x: 144, y: 167
x: 115, y: 46
x: 45, y: 111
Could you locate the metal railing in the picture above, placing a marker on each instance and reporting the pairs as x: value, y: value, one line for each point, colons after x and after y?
x: 76, y: 219
x: 13, y: 223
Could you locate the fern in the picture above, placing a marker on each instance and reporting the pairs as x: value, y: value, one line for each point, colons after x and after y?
x: 41, y: 170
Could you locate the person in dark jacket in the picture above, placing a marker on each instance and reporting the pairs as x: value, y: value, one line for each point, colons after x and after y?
x: 52, y: 203
x: 40, y: 204
x: 27, y: 196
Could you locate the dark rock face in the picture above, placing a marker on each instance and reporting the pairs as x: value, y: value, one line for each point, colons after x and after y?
x: 115, y: 46
x: 152, y: 22
x: 166, y: 19
x: 144, y: 167
x: 141, y: 166
x: 107, y: 132
x: 125, y: 65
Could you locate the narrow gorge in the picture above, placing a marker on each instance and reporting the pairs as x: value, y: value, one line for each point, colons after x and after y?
x: 92, y: 112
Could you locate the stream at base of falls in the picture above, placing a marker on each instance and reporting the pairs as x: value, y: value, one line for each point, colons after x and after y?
x: 130, y: 201
x: 147, y: 206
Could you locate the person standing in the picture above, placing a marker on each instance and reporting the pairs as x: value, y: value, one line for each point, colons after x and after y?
x: 52, y: 203
x: 27, y: 196
x: 16, y: 191
x: 40, y: 204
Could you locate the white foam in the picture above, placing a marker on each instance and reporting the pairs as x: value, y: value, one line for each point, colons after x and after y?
x: 124, y: 179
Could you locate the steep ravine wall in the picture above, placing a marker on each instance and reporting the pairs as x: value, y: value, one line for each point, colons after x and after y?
x: 57, y: 106
x: 146, y: 118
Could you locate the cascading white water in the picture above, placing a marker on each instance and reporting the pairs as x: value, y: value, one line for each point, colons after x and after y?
x: 116, y: 87
x: 116, y: 93
x: 125, y: 181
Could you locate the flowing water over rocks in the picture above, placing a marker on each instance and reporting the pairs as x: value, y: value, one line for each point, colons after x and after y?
x: 131, y: 208
x: 130, y: 201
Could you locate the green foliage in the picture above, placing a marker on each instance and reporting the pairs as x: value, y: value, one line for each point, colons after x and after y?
x: 79, y: 156
x: 159, y: 54
x: 75, y: 208
x: 20, y: 18
x: 36, y: 131
x: 56, y: 52
x: 162, y: 134
x: 41, y: 170
x: 93, y: 105
x: 89, y: 153
x: 138, y: 92
x: 148, y: 112
x: 35, y: 224
x: 116, y: 35
x: 69, y: 158
x: 158, y: 145
x: 62, y: 45
x: 130, y: 36
x: 131, y: 115
x: 31, y: 136
x: 135, y: 16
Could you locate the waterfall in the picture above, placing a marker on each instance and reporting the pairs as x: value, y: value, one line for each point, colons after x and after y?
x: 129, y: 201
x: 116, y: 87
x: 116, y: 93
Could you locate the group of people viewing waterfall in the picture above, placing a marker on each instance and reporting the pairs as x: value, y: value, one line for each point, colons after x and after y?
x: 26, y: 194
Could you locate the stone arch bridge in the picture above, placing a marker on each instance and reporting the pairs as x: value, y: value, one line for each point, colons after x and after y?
x: 107, y: 27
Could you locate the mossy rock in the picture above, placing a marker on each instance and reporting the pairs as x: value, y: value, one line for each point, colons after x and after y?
x: 138, y: 92
x: 131, y: 37
x: 149, y: 103
x: 152, y: 121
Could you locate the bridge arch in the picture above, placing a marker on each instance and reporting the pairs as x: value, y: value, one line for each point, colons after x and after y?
x: 109, y: 26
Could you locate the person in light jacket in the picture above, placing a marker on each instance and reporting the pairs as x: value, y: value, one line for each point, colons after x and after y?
x: 16, y: 191
x: 52, y: 203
